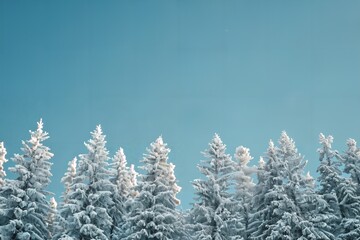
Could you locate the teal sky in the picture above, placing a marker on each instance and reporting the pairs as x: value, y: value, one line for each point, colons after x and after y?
x: 185, y: 69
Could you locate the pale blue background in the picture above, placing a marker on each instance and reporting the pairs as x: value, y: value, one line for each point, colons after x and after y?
x: 184, y: 69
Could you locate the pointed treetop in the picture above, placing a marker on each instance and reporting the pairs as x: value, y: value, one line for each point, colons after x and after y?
x: 308, y: 176
x: 309, y: 180
x: 326, y: 141
x: 271, y: 148
x: 159, y: 140
x: 287, y: 144
x: 99, y: 129
x: 242, y: 154
x: 284, y: 136
x: 261, y: 163
x: 71, y: 172
x: 120, y: 156
x: 217, y: 139
x: 159, y: 147
x: 351, y: 143
x: 40, y: 125
x: 53, y: 203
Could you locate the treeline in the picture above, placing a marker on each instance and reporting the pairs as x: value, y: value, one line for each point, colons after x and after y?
x: 104, y: 198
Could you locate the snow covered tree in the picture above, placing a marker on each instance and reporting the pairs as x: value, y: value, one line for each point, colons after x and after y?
x: 153, y: 213
x: 133, y: 179
x: 2, y: 161
x: 89, y: 196
x: 210, y: 216
x: 352, y: 162
x: 329, y: 172
x: 2, y: 182
x: 339, y: 192
x: 244, y: 188
x: 64, y: 212
x: 124, y: 178
x: 255, y: 217
x: 26, y: 206
x: 278, y: 209
x: 343, y: 190
x: 52, y: 216
x: 68, y: 178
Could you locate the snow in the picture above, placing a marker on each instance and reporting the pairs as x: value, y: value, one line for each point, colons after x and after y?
x: 103, y: 200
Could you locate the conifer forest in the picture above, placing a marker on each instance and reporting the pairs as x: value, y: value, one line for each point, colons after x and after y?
x: 105, y: 198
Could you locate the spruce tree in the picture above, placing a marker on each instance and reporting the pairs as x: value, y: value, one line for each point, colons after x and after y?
x: 153, y: 213
x: 351, y: 158
x: 89, y: 197
x: 2, y: 183
x: 210, y: 216
x: 244, y: 188
x: 64, y: 211
x: 26, y: 206
x: 278, y: 209
x: 52, y: 217
x: 339, y: 192
x: 2, y: 161
x: 123, y: 179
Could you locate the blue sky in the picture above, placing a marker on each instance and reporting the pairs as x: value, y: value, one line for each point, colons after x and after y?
x: 185, y: 69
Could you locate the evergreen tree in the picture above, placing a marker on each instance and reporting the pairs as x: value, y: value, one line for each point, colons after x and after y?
x: 278, y: 209
x: 211, y: 215
x: 2, y: 183
x: 123, y: 179
x: 64, y: 211
x: 351, y: 226
x: 89, y: 197
x: 2, y: 161
x: 68, y: 178
x: 244, y: 188
x: 153, y: 213
x: 26, y: 206
x: 329, y: 172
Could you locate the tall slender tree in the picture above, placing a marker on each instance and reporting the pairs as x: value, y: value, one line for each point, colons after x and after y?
x: 211, y: 214
x: 153, y: 213
x: 64, y: 211
x: 2, y: 161
x: 26, y: 206
x: 123, y: 179
x: 89, y: 197
x: 244, y: 187
x: 279, y: 212
x: 52, y: 217
x: 2, y: 183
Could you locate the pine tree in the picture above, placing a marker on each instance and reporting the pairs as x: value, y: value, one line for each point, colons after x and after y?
x: 351, y: 160
x: 351, y: 226
x: 278, y: 209
x: 89, y: 197
x: 244, y: 188
x: 64, y: 211
x: 124, y: 178
x: 26, y: 206
x: 2, y: 183
x: 211, y: 215
x: 339, y: 192
x: 2, y: 161
x: 68, y: 178
x: 329, y: 172
x: 153, y: 213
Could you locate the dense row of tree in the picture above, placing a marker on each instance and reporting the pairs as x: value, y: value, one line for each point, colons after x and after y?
x: 106, y: 199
